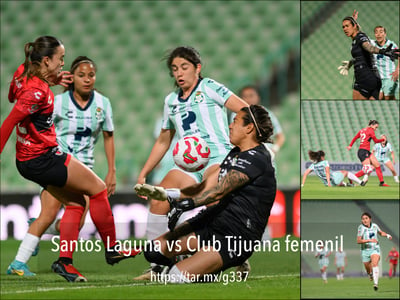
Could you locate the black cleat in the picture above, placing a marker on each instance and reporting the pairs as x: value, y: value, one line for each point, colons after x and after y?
x: 375, y: 287
x: 114, y: 256
x: 68, y: 272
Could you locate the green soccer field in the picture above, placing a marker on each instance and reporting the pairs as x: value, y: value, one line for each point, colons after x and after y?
x: 314, y: 189
x: 274, y: 275
x: 359, y: 288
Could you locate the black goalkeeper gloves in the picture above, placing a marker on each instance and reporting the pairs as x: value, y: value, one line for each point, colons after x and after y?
x: 391, y: 53
x: 177, y: 209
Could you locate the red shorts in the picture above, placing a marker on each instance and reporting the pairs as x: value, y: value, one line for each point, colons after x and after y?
x: 393, y: 261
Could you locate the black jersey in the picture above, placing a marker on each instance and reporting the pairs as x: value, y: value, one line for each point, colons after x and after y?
x: 363, y: 60
x: 246, y: 210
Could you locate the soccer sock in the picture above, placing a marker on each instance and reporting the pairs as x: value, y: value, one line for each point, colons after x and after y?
x: 53, y: 228
x: 351, y: 176
x: 359, y: 173
x: 103, y: 219
x: 176, y: 276
x: 379, y: 173
x: 375, y: 274
x: 337, y: 276
x: 390, y: 272
x: 27, y: 247
x: 69, y: 230
x: 324, y: 276
x: 396, y: 178
x: 156, y: 226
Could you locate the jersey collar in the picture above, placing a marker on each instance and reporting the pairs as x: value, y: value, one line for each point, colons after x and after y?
x: 180, y: 93
x: 71, y: 95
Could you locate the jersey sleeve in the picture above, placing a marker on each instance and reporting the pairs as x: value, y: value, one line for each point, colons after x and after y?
x: 275, y: 123
x: 108, y: 124
x: 354, y: 139
x: 311, y: 167
x: 30, y: 100
x: 362, y: 37
x: 217, y: 91
x: 166, y: 122
x: 249, y: 164
x: 389, y: 146
x: 360, y: 231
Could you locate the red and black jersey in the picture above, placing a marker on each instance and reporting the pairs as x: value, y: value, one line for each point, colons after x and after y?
x: 393, y: 255
x: 365, y: 135
x: 33, y: 116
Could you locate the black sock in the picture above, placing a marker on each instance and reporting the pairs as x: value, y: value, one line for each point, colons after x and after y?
x: 65, y: 260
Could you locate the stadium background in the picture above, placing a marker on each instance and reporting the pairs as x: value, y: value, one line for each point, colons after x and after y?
x: 240, y: 43
x: 326, y: 220
x: 324, y: 45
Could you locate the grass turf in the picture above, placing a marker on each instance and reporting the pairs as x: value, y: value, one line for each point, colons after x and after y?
x: 314, y: 189
x: 359, y: 288
x: 274, y: 275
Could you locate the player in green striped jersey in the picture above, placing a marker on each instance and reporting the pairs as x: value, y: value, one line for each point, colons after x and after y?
x: 196, y: 107
x: 381, y: 152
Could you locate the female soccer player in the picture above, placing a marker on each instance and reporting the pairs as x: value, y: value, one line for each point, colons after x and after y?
x: 367, y: 236
x: 393, y: 257
x: 364, y: 155
x: 245, y: 194
x: 196, y: 107
x: 323, y: 262
x: 367, y: 82
x: 321, y: 168
x: 381, y: 151
x: 38, y: 158
x: 340, y: 263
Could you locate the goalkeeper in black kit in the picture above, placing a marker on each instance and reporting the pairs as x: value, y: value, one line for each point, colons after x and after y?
x: 222, y: 235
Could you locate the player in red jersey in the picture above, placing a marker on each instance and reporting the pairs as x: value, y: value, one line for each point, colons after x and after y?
x: 39, y: 160
x: 393, y: 257
x: 366, y: 157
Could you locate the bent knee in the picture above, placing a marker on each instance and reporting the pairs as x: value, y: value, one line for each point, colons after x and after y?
x: 153, y: 255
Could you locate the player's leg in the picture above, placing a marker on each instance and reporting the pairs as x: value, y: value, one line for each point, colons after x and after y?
x: 338, y: 273
x: 342, y: 273
x: 375, y: 269
x: 357, y: 96
x: 323, y: 274
x: 390, y: 166
x: 390, y: 269
x: 350, y: 176
x: 378, y: 169
x: 49, y: 209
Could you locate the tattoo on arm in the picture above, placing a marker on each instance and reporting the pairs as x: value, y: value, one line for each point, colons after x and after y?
x: 231, y: 181
x: 371, y: 49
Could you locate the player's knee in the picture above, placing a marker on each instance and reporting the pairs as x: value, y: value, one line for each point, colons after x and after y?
x: 153, y: 255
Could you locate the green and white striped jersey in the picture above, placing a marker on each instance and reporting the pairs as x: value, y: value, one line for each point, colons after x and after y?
x: 202, y: 114
x: 367, y: 233
x: 384, y: 64
x: 381, y: 153
x: 78, y: 128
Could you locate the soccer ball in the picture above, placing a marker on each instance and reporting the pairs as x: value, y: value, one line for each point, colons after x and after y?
x: 367, y: 169
x: 191, y: 153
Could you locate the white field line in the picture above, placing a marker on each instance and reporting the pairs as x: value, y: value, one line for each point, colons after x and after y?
x: 38, y: 290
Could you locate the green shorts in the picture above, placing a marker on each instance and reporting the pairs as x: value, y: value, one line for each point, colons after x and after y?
x: 389, y: 87
x: 337, y: 178
x: 366, y: 254
x: 383, y: 161
x: 323, y: 263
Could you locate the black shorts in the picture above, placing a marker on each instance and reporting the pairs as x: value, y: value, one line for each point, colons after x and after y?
x: 363, y: 154
x: 234, y: 250
x: 47, y: 169
x: 366, y: 82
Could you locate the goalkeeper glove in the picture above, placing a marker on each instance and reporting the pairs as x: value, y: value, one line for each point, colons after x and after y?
x: 177, y: 209
x: 391, y: 53
x: 344, y: 68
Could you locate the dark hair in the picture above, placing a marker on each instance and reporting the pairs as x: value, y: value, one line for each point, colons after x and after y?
x: 373, y: 122
x: 74, y: 65
x: 353, y: 22
x: 259, y: 116
x: 247, y: 87
x: 316, y: 156
x: 366, y: 214
x: 186, y: 52
x: 380, y: 26
x: 35, y: 51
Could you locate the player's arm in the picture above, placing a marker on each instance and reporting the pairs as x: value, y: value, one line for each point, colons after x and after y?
x: 393, y: 156
x: 158, y: 151
x: 376, y: 140
x: 328, y: 175
x: 109, y: 149
x: 15, y: 117
x: 235, y: 103
x: 308, y: 171
x: 391, y: 53
x: 384, y: 234
x: 357, y: 136
x: 360, y: 240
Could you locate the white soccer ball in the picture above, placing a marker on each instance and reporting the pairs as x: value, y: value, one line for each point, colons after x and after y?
x: 191, y: 153
x: 367, y: 169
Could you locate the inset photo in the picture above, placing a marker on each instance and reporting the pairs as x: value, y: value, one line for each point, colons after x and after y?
x: 348, y: 50
x: 349, y: 150
x: 349, y: 249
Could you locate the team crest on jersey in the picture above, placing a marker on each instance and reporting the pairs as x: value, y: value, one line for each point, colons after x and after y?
x: 199, y: 97
x: 99, y: 113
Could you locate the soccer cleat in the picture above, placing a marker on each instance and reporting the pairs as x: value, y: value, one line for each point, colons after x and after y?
x: 36, y: 251
x: 383, y: 184
x: 350, y: 185
x: 114, y: 256
x: 364, y: 180
x: 371, y: 277
x: 148, y: 273
x: 243, y: 268
x: 19, y: 268
x: 68, y: 272
x: 375, y: 287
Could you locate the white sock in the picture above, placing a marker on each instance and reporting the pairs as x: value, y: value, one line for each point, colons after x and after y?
x: 324, y: 275
x: 396, y: 178
x: 337, y: 276
x: 375, y: 274
x: 156, y: 226
x: 52, y: 228
x: 353, y: 177
x: 175, y: 276
x: 341, y: 276
x: 27, y: 247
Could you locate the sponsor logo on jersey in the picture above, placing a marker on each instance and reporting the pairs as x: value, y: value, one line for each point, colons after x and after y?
x: 37, y: 95
x: 199, y: 97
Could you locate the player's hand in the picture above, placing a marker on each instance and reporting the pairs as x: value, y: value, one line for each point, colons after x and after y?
x: 348, y: 147
x: 153, y: 192
x: 395, y: 75
x: 355, y: 15
x: 177, y: 209
x: 373, y: 241
x: 391, y: 53
x: 389, y: 237
x: 64, y: 78
x: 344, y: 68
